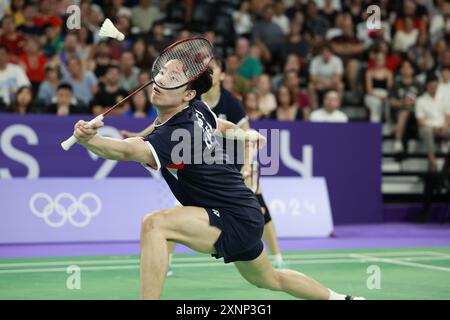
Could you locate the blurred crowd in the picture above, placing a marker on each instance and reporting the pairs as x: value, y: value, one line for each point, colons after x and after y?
x: 287, y: 60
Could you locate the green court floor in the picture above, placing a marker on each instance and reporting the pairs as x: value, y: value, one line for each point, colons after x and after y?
x: 419, y: 273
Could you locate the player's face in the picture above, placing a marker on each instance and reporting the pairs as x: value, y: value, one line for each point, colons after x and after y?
x: 170, y: 75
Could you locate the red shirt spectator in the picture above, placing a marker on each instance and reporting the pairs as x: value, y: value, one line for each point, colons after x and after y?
x: 12, y: 40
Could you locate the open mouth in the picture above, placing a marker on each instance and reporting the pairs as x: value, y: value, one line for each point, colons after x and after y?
x: 156, y: 90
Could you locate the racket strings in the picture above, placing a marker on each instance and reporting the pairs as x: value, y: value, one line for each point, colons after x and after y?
x: 182, y: 63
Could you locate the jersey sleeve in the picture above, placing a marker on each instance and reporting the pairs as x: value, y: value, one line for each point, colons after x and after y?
x: 160, y: 149
x: 236, y: 112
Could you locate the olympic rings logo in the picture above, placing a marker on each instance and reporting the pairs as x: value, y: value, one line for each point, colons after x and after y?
x: 66, y: 212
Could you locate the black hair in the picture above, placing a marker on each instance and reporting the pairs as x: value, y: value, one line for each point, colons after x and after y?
x: 202, y: 84
x: 431, y: 77
x: 112, y: 66
x: 65, y: 86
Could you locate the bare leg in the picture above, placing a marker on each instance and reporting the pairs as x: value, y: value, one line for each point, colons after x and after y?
x: 187, y: 225
x: 259, y: 272
x: 402, y: 118
x: 270, y: 238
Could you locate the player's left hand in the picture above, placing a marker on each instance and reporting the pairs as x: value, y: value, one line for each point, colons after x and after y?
x: 253, y: 135
x: 84, y: 132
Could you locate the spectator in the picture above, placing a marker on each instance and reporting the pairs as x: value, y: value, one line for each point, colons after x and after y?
x: 12, y: 77
x: 433, y: 117
x: 347, y: 47
x: 444, y: 84
x: 129, y: 72
x: 329, y: 12
x: 23, y: 101
x: 65, y: 103
x: 242, y: 19
x: 84, y: 83
x: 315, y: 24
x: 11, y: 39
x: 421, y: 55
x: 115, y: 9
x: 54, y: 42
x: 393, y: 60
x: 296, y: 44
x: 241, y: 85
x: 407, y: 37
x: 402, y: 101
x: 330, y: 112
x: 266, y: 99
x: 287, y: 109
x: 34, y: 62
x: 110, y: 93
x: 157, y: 41
x: 379, y: 82
x: 145, y: 15
x: 292, y: 82
x: 100, y: 60
x: 28, y: 27
x: 269, y: 33
x: 85, y: 40
x: 47, y: 89
x: 47, y: 15
x: 250, y: 102
x: 325, y: 72
x: 250, y: 67
x: 140, y: 107
x: 16, y: 11
x: 411, y: 12
x: 141, y: 55
x: 280, y: 18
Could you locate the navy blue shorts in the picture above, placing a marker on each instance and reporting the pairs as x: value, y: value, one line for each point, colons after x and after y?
x: 242, y: 230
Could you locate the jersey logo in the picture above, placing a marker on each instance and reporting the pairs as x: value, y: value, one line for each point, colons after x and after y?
x: 178, y: 166
x: 216, y: 212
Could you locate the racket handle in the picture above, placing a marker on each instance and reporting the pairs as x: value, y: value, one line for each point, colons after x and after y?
x: 67, y: 144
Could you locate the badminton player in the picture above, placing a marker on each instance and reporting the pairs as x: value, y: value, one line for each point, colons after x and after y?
x: 226, y: 106
x: 220, y: 214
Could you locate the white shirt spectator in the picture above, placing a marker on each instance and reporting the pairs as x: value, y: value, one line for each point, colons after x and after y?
x: 403, y: 41
x: 267, y: 103
x: 326, y: 70
x: 335, y: 4
x: 243, y: 23
x: 283, y: 22
x: 321, y: 115
x: 11, y: 78
x: 432, y: 110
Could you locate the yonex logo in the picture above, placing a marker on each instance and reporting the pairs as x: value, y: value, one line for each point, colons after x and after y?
x: 216, y: 212
x: 66, y: 206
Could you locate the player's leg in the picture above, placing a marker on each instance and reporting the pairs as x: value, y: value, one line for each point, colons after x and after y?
x: 186, y: 225
x: 270, y: 235
x: 260, y: 273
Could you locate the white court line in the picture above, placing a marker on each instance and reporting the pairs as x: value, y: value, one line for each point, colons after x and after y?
x: 207, y: 259
x: 357, y: 258
x: 402, y: 263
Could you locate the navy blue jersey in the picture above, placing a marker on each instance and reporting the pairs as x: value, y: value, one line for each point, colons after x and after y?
x: 194, y: 164
x: 229, y: 108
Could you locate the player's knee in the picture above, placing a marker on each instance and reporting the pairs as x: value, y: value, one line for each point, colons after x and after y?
x: 152, y: 221
x: 269, y: 283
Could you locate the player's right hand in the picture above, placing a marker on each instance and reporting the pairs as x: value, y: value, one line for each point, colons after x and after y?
x: 84, y: 132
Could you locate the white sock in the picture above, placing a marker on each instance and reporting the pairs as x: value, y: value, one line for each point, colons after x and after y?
x: 278, y: 258
x: 336, y: 296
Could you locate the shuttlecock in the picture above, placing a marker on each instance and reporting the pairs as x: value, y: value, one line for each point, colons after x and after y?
x: 108, y: 29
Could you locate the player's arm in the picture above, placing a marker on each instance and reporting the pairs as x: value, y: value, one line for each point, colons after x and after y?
x: 143, y: 133
x: 231, y: 131
x: 131, y: 149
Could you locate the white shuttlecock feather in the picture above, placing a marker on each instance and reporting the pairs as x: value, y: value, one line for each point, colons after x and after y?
x: 108, y: 29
